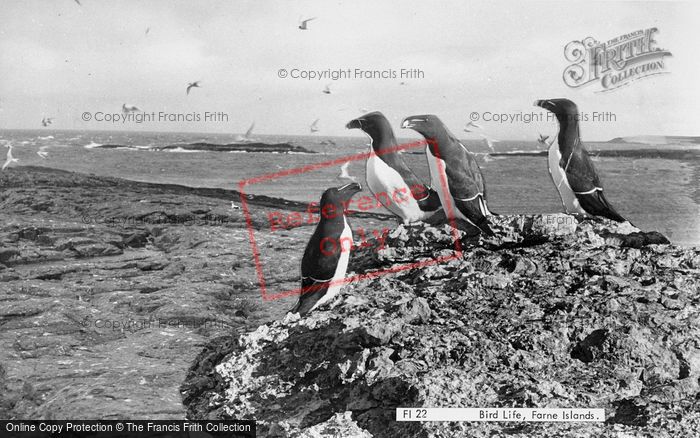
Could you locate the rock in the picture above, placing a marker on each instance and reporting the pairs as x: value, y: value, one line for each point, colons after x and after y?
x: 552, y: 224
x: 137, y: 240
x: 339, y: 425
x: 417, y: 310
x: 591, y: 347
x: 96, y: 250
x: 493, y: 325
x: 632, y: 412
x: 7, y: 254
x: 95, y: 321
x: 635, y: 240
x: 496, y: 281
x: 526, y: 320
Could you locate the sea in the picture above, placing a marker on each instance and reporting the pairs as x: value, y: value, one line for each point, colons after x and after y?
x: 654, y: 185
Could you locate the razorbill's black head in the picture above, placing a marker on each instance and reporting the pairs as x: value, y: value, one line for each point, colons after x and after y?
x: 338, y: 197
x: 376, y: 125
x: 427, y: 125
x: 565, y: 110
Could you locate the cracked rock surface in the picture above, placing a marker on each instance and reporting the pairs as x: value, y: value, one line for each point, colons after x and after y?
x: 552, y: 312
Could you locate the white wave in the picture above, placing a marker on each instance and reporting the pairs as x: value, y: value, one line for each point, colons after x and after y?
x: 92, y: 145
x: 182, y: 151
x: 524, y: 152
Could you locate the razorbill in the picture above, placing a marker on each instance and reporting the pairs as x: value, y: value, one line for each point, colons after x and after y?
x: 571, y: 168
x: 389, y: 177
x: 454, y: 172
x: 325, y: 259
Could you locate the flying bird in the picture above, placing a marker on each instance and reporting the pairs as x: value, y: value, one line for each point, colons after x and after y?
x: 470, y: 125
x: 314, y: 126
x: 42, y: 152
x: 191, y: 85
x: 10, y: 159
x: 148, y: 29
x: 78, y: 2
x: 303, y: 24
x: 543, y: 140
x: 464, y: 195
x: 126, y: 109
x: 250, y: 130
x: 344, y: 172
x: 46, y: 121
x: 489, y: 142
x: 247, y: 136
x: 327, y: 90
x: 571, y: 168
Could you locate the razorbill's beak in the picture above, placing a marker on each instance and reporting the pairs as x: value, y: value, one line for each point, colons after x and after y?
x: 411, y: 122
x: 350, y: 189
x: 354, y: 124
x: 546, y: 104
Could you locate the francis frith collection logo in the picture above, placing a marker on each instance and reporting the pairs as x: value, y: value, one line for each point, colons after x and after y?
x: 614, y: 63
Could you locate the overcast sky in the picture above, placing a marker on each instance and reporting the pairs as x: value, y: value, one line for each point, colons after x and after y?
x: 58, y: 59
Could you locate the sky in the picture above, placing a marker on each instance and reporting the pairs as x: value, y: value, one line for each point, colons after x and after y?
x: 59, y: 59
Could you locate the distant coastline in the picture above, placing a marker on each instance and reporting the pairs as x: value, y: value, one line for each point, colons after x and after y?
x: 657, y: 139
x: 670, y: 154
x: 280, y: 148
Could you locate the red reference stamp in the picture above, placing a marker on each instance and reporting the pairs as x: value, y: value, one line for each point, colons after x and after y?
x: 284, y: 220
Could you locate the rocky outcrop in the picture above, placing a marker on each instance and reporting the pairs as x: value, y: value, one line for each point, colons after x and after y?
x: 110, y: 288
x: 552, y: 313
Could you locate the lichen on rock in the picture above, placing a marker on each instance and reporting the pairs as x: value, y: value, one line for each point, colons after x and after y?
x: 552, y: 312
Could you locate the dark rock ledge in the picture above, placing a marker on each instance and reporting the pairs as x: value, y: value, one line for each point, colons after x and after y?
x: 554, y: 313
